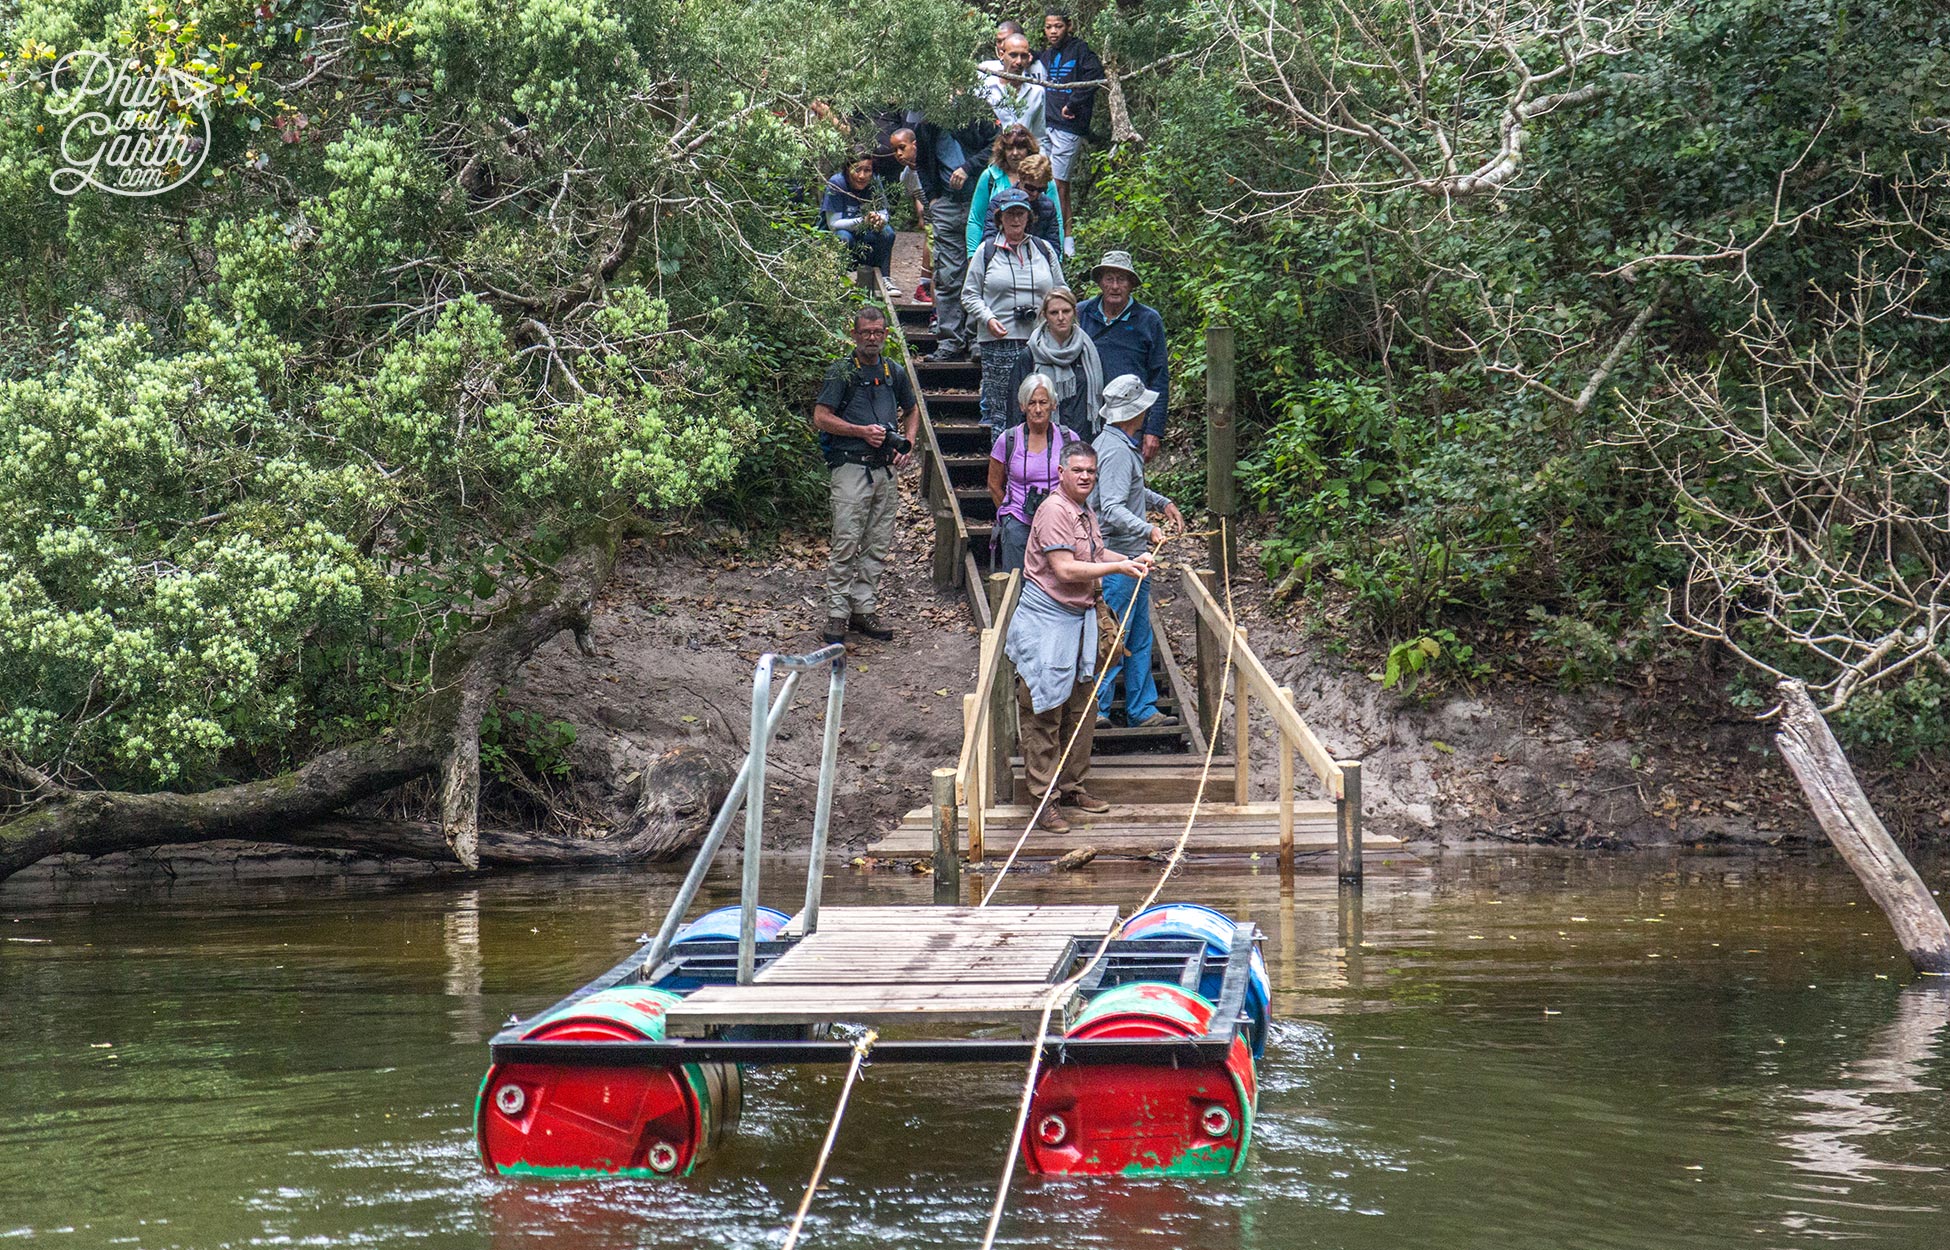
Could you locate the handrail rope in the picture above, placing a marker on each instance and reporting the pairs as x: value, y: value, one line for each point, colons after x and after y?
x: 1059, y: 993
x: 1117, y: 640
x: 860, y: 1049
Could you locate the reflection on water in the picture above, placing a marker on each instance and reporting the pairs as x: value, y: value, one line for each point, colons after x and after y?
x: 1498, y: 1052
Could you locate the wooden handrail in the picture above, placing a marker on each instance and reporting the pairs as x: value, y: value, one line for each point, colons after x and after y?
x: 1253, y: 674
x: 930, y: 445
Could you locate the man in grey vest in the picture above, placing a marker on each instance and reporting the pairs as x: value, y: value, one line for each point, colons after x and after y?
x: 868, y: 418
x: 1122, y: 502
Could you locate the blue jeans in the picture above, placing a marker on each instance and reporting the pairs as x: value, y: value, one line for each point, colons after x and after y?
x: 1140, y: 691
x: 870, y: 247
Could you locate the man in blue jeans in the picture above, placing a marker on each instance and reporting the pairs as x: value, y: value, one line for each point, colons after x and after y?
x: 1122, y: 502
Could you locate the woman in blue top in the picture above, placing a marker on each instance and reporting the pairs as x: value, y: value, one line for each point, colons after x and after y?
x: 856, y: 213
x: 1011, y: 146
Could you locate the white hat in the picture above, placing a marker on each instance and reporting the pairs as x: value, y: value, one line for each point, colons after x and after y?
x: 1126, y: 397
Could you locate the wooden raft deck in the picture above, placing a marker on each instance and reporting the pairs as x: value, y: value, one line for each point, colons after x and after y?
x: 915, y: 965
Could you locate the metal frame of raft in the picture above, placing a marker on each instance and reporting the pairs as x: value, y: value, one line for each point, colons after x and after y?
x: 1153, y: 1070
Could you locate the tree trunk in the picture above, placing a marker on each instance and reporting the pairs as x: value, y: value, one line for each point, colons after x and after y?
x: 441, y: 732
x: 1811, y: 751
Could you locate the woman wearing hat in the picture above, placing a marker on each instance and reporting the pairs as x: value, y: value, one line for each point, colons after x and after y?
x: 1063, y: 353
x: 1008, y: 276
x: 1023, y: 468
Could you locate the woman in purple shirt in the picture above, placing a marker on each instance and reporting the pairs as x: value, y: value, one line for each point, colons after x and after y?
x: 1022, y: 468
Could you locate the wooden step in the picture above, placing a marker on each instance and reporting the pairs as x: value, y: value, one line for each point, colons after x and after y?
x: 1151, y: 829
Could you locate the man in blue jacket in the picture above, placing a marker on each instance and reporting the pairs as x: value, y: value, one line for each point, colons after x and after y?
x: 947, y: 164
x: 1066, y: 58
x: 1130, y: 338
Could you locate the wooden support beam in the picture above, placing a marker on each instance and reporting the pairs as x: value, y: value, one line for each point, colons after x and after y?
x: 1286, y: 788
x: 1242, y: 772
x: 1210, y: 657
x: 1002, y: 737
x: 1810, y: 749
x: 1347, y: 828
x: 1221, y: 448
x: 947, y: 843
x: 945, y: 550
x: 971, y: 709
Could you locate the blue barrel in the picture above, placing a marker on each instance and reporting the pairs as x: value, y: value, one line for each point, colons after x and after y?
x: 719, y: 926
x: 1190, y: 920
x: 722, y: 926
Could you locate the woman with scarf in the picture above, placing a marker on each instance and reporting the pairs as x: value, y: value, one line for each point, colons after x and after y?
x: 1003, y: 295
x: 1023, y: 468
x: 1060, y: 350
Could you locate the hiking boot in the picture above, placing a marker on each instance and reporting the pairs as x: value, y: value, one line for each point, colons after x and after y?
x: 1103, y: 722
x: 1051, y: 821
x: 869, y: 624
x: 1157, y: 720
x: 1084, y: 801
x: 835, y: 634
x: 943, y: 354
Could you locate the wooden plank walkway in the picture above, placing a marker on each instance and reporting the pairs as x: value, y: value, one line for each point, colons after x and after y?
x: 891, y: 965
x: 1143, y: 829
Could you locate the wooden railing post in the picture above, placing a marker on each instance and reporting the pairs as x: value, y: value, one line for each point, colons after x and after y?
x: 947, y: 844
x: 1347, y: 823
x: 1210, y: 656
x: 971, y: 793
x: 945, y: 554
x: 1286, y: 787
x: 1002, y: 699
x: 1221, y: 448
x: 1241, y: 700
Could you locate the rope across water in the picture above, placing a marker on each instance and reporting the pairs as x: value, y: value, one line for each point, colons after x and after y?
x: 1060, y: 993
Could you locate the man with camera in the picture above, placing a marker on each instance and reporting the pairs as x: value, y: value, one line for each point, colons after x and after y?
x: 868, y: 418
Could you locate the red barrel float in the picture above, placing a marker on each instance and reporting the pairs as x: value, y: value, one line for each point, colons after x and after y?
x: 1107, y: 1119
x: 580, y: 1119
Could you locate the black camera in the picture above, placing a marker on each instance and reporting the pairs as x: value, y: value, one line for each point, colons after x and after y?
x: 901, y: 444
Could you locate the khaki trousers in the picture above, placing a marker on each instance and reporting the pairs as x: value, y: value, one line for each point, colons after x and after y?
x: 865, y: 504
x: 1044, y: 736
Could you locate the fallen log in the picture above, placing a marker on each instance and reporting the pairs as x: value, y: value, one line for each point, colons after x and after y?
x: 1816, y: 759
x: 440, y: 733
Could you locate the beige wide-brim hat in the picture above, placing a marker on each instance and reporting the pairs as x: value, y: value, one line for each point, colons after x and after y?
x: 1116, y: 260
x: 1126, y: 397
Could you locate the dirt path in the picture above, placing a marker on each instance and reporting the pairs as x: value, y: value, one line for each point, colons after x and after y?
x: 678, y: 637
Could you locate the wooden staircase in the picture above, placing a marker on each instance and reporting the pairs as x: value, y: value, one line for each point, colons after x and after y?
x: 1151, y: 774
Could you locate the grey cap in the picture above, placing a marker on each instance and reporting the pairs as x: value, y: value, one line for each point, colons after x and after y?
x: 1013, y: 197
x: 1116, y: 260
x: 1126, y: 397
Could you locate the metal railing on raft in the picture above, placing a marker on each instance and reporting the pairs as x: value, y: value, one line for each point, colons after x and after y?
x: 748, y: 791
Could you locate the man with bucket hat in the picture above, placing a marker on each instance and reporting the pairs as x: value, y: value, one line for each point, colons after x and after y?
x: 1130, y: 338
x: 1122, y: 502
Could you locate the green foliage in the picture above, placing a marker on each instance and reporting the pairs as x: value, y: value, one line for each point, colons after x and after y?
x: 518, y: 745
x: 456, y: 279
x: 1407, y: 363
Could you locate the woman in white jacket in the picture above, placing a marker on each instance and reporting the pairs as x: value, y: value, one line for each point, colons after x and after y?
x: 1003, y: 294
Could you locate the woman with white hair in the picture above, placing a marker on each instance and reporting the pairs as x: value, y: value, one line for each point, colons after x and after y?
x: 1023, y: 468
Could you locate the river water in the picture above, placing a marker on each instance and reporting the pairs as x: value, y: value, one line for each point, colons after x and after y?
x: 1496, y: 1051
